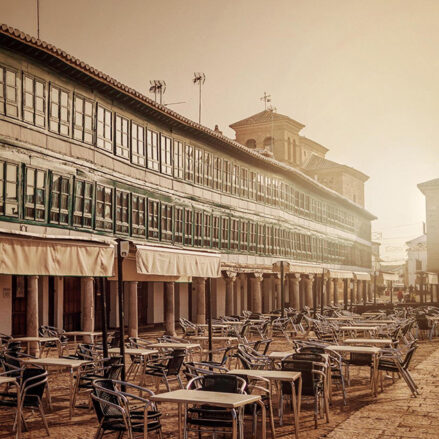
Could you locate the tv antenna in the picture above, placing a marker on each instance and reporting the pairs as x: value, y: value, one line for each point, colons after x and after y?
x: 200, y: 79
x: 267, y: 99
x: 157, y: 87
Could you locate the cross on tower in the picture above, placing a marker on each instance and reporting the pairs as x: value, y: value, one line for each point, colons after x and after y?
x: 266, y: 98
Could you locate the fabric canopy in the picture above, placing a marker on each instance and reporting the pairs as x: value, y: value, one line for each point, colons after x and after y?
x: 162, y: 261
x: 432, y: 278
x: 55, y: 256
x: 361, y: 275
x: 393, y: 277
x: 340, y: 274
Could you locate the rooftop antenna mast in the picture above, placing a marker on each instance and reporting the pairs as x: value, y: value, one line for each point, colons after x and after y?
x: 157, y: 87
x: 267, y: 99
x: 38, y: 19
x: 273, y: 110
x: 200, y: 79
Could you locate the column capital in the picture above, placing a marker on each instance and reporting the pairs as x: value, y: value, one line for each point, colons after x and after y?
x: 34, y: 277
x: 294, y: 276
x: 276, y: 275
x: 198, y: 280
x: 258, y: 276
x: 229, y: 275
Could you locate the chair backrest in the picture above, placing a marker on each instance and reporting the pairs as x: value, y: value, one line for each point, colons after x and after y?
x: 113, y: 368
x: 105, y: 400
x: 34, y: 381
x: 218, y: 383
x: 312, y: 368
x: 264, y: 344
x: 175, y: 362
x: 409, y: 355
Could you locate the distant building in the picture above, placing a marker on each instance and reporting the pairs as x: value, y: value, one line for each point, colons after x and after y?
x: 416, y: 258
x: 431, y: 191
x: 277, y: 135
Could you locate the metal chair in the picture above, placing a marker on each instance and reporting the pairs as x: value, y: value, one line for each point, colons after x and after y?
x: 391, y: 361
x: 167, y: 371
x: 33, y: 382
x: 313, y: 368
x: 115, y: 412
x: 210, y: 419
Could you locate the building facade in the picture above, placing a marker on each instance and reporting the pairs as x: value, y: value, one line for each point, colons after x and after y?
x: 416, y: 259
x: 85, y: 157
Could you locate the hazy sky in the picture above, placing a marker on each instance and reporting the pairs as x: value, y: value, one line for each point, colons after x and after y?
x: 361, y: 75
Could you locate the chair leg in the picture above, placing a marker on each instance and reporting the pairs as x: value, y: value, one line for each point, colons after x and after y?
x: 43, y: 416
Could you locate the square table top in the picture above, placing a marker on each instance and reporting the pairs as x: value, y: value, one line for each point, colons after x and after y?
x: 56, y: 362
x: 341, y: 319
x: 6, y: 380
x: 356, y: 349
x: 214, y: 337
x: 174, y: 345
x: 278, y: 375
x: 214, y: 325
x: 234, y: 322
x: 133, y: 351
x: 89, y: 333
x: 220, y: 399
x: 30, y: 339
x: 369, y: 341
x: 280, y: 354
x: 359, y: 328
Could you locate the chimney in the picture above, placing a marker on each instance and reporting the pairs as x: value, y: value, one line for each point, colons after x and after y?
x: 217, y: 130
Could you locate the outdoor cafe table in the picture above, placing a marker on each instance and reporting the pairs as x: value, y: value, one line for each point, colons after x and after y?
x: 91, y: 334
x: 278, y: 375
x: 14, y: 382
x: 374, y: 352
x: 369, y: 329
x: 218, y: 399
x: 142, y: 353
x: 59, y: 363
x: 382, y: 342
x: 340, y: 319
x: 169, y: 345
x: 39, y: 340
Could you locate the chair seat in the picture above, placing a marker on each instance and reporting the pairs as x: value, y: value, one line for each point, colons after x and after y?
x: 118, y: 425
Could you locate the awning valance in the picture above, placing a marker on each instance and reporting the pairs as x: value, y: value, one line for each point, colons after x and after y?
x: 297, y: 268
x: 162, y: 261
x: 361, y: 275
x: 432, y: 278
x: 340, y: 274
x: 55, y: 256
x: 391, y: 277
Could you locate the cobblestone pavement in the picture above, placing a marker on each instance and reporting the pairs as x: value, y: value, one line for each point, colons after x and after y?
x: 397, y: 415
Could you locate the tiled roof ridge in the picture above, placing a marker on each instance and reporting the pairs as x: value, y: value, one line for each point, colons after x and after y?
x: 52, y: 49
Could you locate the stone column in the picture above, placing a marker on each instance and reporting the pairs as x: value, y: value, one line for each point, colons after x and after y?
x: 237, y: 296
x: 243, y: 291
x: 360, y: 291
x: 329, y: 292
x: 276, y: 291
x: 308, y: 291
x: 199, y: 285
x: 169, y: 308
x: 267, y: 294
x: 32, y: 312
x: 335, y: 290
x: 58, y: 304
x: 257, y: 293
x: 133, y: 313
x: 302, y: 288
x: 88, y: 307
x: 294, y: 291
x: 369, y: 291
x: 229, y: 277
x: 354, y: 292
x: 346, y: 292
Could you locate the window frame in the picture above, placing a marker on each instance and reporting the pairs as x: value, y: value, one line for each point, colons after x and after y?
x: 166, y: 155
x: 107, y: 222
x: 58, y: 120
x: 136, y: 212
x: 83, y: 215
x: 137, y: 158
x: 87, y: 134
x: 102, y: 141
x: 122, y: 227
x: 5, y: 101
x: 59, y: 210
x: 34, y: 112
x: 120, y: 149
